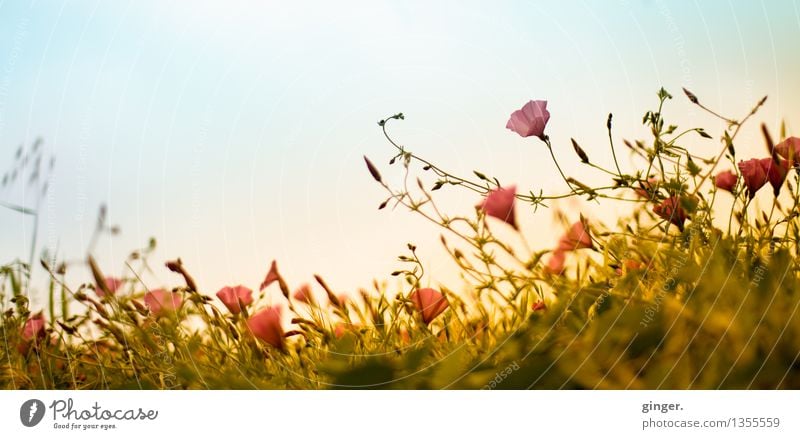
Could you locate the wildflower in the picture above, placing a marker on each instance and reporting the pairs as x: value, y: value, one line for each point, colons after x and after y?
x: 753, y: 175
x: 539, y: 306
x: 789, y: 147
x: 235, y: 297
x: 670, y: 209
x: 776, y: 172
x: 339, y: 330
x: 429, y: 302
x: 577, y: 237
x: 32, y: 332
x: 630, y: 265
x: 112, y: 283
x: 405, y: 337
x: 530, y: 120
x: 646, y: 187
x: 34, y: 327
x: 266, y: 326
x: 555, y: 265
x: 726, y: 180
x: 499, y: 203
x: 162, y: 302
x: 272, y: 275
x: 303, y: 294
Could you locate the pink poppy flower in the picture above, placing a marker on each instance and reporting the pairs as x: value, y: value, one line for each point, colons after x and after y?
x: 790, y: 146
x: 726, y: 180
x: 671, y: 210
x: 753, y: 175
x: 266, y: 326
x: 577, y: 237
x: 776, y: 173
x: 272, y: 275
x: 303, y: 294
x: 555, y: 265
x: 162, y: 302
x: 499, y: 203
x: 429, y: 302
x: 530, y: 120
x: 235, y: 297
x: 34, y: 327
x: 113, y: 285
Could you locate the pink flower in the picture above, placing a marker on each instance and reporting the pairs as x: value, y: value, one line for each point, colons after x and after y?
x: 272, y: 275
x: 726, y: 180
x: 113, y: 285
x: 499, y: 203
x: 555, y: 265
x: 753, y: 175
x: 34, y: 327
x: 235, y: 297
x: 162, y: 302
x: 303, y: 294
x: 776, y: 173
x: 790, y: 146
x: 339, y: 330
x: 266, y: 325
x: 530, y: 120
x: 429, y: 302
x: 671, y: 210
x: 577, y: 237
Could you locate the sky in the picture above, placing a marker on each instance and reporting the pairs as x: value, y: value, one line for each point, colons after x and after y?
x: 233, y: 132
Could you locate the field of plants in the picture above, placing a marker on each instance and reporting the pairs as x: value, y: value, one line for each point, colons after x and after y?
x: 678, y: 294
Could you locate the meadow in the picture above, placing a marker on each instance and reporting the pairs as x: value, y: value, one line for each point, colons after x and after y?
x: 678, y: 294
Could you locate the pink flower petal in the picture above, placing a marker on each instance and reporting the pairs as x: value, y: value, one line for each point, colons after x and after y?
x: 429, y: 302
x: 234, y: 297
x: 726, y: 180
x: 162, y: 302
x: 499, y: 203
x: 266, y: 326
x: 272, y: 275
x: 530, y: 120
x: 753, y: 175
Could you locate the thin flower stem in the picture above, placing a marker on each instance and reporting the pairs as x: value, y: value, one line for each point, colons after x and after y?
x: 732, y: 138
x: 550, y: 148
x: 611, y: 144
x: 440, y: 172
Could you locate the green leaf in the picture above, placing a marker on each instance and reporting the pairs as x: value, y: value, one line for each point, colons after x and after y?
x: 20, y: 209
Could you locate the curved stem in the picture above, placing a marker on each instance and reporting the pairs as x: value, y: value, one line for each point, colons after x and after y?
x: 550, y: 148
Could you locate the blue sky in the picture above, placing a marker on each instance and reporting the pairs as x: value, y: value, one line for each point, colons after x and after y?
x: 233, y: 132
